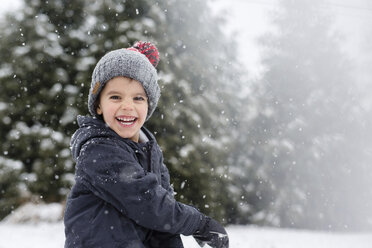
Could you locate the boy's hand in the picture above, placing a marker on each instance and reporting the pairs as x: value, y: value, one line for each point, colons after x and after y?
x: 211, y: 233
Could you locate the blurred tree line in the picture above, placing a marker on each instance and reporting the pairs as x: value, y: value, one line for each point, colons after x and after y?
x: 313, y: 127
x: 285, y: 150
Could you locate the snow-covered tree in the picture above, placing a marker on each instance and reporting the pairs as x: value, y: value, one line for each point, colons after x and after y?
x: 48, y: 52
x: 10, y: 191
x: 310, y: 102
x: 303, y: 161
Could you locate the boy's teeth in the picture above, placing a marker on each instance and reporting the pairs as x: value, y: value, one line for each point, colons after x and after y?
x: 126, y: 119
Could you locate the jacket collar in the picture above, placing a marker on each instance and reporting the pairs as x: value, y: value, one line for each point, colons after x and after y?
x: 92, y: 127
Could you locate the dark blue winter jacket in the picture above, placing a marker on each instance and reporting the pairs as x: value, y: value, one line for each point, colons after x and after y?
x: 122, y: 196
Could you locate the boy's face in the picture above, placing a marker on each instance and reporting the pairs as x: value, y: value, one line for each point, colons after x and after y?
x: 123, y: 104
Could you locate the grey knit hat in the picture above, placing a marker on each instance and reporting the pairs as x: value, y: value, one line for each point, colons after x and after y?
x: 137, y: 62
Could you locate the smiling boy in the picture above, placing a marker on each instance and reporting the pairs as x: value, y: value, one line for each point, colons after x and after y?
x: 123, y: 105
x: 122, y: 196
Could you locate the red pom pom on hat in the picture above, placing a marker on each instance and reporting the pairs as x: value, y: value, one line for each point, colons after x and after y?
x: 148, y: 49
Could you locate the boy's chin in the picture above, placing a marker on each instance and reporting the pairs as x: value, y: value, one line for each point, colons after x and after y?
x: 134, y: 136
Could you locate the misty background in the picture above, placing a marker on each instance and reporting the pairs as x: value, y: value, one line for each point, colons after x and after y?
x: 263, y: 120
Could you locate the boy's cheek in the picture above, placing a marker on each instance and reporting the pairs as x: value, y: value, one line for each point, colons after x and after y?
x: 109, y: 111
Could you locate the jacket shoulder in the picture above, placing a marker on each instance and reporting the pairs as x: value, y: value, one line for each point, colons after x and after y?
x: 109, y: 148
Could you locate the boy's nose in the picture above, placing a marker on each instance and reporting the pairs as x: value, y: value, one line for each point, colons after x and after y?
x: 127, y: 104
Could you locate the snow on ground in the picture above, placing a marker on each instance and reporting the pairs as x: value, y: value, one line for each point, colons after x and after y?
x: 35, y: 213
x: 39, y: 226
x: 51, y: 235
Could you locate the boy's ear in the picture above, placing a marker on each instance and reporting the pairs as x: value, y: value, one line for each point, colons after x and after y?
x: 99, y: 111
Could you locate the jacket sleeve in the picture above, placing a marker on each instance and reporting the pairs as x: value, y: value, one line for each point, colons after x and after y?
x: 165, y: 179
x: 116, y: 177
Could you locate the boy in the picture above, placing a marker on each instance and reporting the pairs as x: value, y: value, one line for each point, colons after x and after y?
x: 122, y: 196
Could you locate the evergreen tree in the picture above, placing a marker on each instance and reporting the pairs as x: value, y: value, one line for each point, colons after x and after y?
x: 10, y: 196
x: 303, y: 149
x: 48, y: 53
x: 38, y: 86
x: 250, y: 156
x: 199, y: 103
x: 314, y: 115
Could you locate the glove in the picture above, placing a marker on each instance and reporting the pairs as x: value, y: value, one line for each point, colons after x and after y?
x: 211, y: 233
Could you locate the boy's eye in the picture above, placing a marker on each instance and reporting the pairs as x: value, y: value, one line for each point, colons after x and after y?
x: 115, y: 97
x: 139, y: 98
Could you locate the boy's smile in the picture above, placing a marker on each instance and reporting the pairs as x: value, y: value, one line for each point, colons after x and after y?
x: 126, y: 120
x: 123, y: 105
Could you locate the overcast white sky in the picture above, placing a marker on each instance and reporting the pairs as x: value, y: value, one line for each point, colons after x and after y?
x: 249, y: 19
x: 9, y: 5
